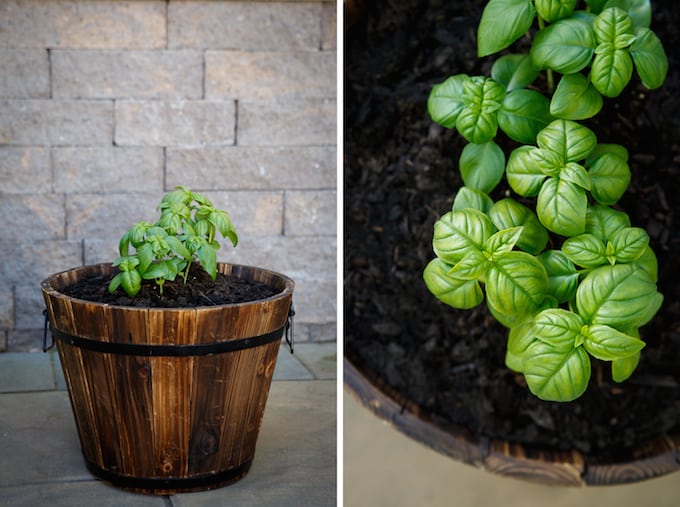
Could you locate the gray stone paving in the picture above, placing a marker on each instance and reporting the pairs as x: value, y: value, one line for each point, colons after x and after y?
x: 295, y: 460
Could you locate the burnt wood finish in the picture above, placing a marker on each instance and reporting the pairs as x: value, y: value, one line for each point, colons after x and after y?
x: 547, y: 466
x: 166, y: 424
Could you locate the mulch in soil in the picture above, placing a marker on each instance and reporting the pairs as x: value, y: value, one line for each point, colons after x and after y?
x: 401, y: 176
x: 200, y: 290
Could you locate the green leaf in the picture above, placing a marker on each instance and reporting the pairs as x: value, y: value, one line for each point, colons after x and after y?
x: 208, y: 259
x: 220, y: 219
x: 508, y: 213
x: 568, y: 139
x: 178, y: 247
x: 566, y: 46
x: 604, y: 222
x: 159, y: 270
x: 629, y: 244
x: 549, y: 163
x: 561, y: 207
x: 502, y: 242
x: 613, y: 27
x: 650, y: 58
x: 115, y: 282
x: 446, y: 100
x: 640, y: 11
x: 131, y: 282
x: 622, y: 296
x: 470, y: 198
x: 458, y: 232
x: 575, y: 98
x: 482, y: 166
x: 523, y: 173
x: 622, y: 369
x: 558, y: 328
x: 514, y: 71
x: 502, y: 23
x: 463, y: 294
x: 612, y: 149
x: 516, y: 286
x: 146, y: 256
x: 596, y: 6
x: 523, y: 114
x: 610, y: 177
x: 552, y: 10
x: 556, y: 375
x: 611, y: 72
x: 648, y: 263
x: 576, y: 174
x: 607, y: 344
x: 478, y: 122
x: 562, y: 275
x: 585, y: 250
x: 471, y: 267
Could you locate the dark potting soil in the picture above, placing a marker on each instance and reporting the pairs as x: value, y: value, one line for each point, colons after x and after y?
x: 200, y: 290
x: 401, y: 176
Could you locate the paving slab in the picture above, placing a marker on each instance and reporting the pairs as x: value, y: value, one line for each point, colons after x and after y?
x: 319, y: 358
x: 26, y: 371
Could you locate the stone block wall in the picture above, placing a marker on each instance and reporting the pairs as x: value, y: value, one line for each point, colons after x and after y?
x: 106, y: 105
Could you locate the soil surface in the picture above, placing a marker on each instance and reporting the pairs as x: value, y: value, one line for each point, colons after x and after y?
x: 200, y: 290
x: 401, y: 176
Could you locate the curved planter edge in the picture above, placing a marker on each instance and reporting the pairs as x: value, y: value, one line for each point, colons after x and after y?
x: 654, y: 458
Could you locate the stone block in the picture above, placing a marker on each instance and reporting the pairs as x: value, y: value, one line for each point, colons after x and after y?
x: 108, y: 216
x: 28, y: 263
x: 98, y: 251
x: 329, y: 26
x: 270, y: 74
x: 244, y: 25
x: 29, y: 305
x: 83, y: 24
x: 25, y: 170
x: 301, y: 122
x: 24, y: 73
x: 127, y: 74
x: 252, y: 168
x: 28, y: 217
x: 310, y: 213
x: 25, y: 340
x: 315, y: 301
x: 56, y: 122
x: 114, y: 168
x: 6, y: 308
x: 181, y: 123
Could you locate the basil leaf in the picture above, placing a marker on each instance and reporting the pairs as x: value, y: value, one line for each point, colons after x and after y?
x: 629, y: 244
x: 622, y: 369
x: 523, y: 114
x: 508, y: 213
x: 463, y: 294
x: 596, y: 6
x: 613, y: 27
x: 607, y: 344
x: 604, y: 222
x: 470, y: 198
x: 561, y: 207
x: 478, y: 122
x: 516, y: 286
x: 576, y: 174
x: 575, y: 98
x: 648, y: 263
x: 502, y: 242
x: 562, y: 275
x: 585, y: 250
x: 445, y: 101
x: 650, y: 58
x: 131, y: 282
x: 208, y: 259
x: 566, y: 46
x: 611, y: 71
x: 558, y: 328
x: 601, y: 149
x: 556, y: 375
x: 640, y: 11
x: 523, y: 173
x: 610, y: 177
x: 502, y: 23
x: 552, y: 10
x: 568, y: 139
x: 471, y: 267
x: 482, y: 166
x: 622, y: 296
x: 514, y: 71
x: 456, y: 233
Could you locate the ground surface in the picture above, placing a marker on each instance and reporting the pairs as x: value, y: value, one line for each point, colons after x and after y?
x: 400, y: 177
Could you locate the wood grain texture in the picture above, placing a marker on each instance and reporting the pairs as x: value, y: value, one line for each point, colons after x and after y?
x: 168, y: 417
x: 654, y: 458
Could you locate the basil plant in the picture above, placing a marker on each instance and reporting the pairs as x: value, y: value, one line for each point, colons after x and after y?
x: 568, y: 274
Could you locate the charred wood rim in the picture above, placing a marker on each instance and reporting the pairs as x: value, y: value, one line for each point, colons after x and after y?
x: 560, y: 468
x: 163, y: 485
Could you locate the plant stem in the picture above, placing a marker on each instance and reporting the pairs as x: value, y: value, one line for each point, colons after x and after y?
x: 549, y: 72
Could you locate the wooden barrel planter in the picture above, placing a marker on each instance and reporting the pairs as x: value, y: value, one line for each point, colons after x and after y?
x: 542, y: 465
x: 168, y: 400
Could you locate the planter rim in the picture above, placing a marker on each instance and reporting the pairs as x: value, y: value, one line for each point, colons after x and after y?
x: 654, y: 458
x: 47, y: 287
